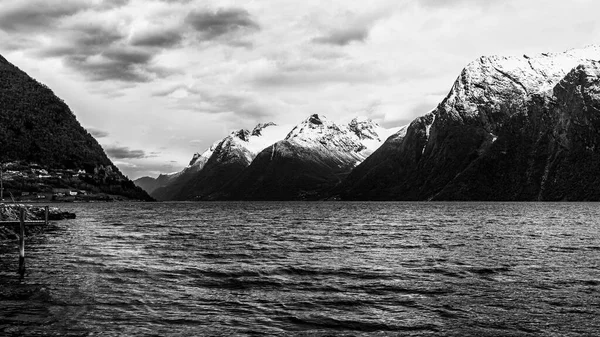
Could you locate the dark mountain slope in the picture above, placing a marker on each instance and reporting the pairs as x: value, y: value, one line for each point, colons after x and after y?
x: 228, y: 160
x: 286, y: 171
x: 37, y: 127
x: 210, y: 170
x: 548, y: 151
x: 465, y: 124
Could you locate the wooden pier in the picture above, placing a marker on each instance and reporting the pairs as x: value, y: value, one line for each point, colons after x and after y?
x: 22, y: 224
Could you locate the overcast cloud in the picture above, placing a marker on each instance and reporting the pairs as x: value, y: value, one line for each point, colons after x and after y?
x: 123, y: 152
x: 157, y: 76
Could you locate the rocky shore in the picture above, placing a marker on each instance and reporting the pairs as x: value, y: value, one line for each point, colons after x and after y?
x: 10, y: 212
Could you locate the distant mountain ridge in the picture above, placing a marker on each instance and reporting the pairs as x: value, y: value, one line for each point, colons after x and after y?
x: 324, y: 152
x: 313, y: 158
x: 37, y: 128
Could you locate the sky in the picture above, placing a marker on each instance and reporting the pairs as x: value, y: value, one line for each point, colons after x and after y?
x: 155, y: 81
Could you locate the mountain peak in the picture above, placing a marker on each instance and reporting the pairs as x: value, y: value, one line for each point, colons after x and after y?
x: 200, y: 159
x: 488, y: 83
x: 312, y: 128
x: 314, y: 119
x: 583, y: 76
x: 194, y: 158
x: 242, y: 134
x: 364, y: 128
x: 257, y: 131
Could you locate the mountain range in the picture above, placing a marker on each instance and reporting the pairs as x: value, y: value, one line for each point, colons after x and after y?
x: 273, y: 162
x: 511, y: 128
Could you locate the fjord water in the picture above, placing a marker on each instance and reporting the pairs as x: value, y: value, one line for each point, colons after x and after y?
x: 293, y: 268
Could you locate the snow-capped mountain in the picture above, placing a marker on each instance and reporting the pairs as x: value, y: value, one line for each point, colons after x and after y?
x: 316, y: 139
x: 488, y: 97
x: 548, y: 150
x: 199, y: 159
x: 314, y: 156
x: 348, y: 143
x: 220, y: 162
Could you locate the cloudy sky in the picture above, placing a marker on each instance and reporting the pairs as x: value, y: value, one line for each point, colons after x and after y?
x: 157, y: 80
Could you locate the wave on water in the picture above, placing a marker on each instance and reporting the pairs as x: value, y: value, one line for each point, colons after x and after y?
x: 315, y: 269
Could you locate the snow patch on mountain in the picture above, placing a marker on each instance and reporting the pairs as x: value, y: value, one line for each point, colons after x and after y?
x: 428, y: 127
x: 199, y: 159
x: 241, y: 143
x: 493, y: 80
x: 361, y: 135
x: 318, y: 131
x: 269, y: 134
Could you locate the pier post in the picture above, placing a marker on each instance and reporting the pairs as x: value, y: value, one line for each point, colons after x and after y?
x: 22, y: 242
x: 46, y: 215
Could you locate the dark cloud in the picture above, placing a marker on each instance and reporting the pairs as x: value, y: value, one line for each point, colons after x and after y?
x: 102, y: 53
x: 35, y: 15
x: 83, y: 40
x: 113, y: 65
x: 239, y: 105
x: 127, y: 56
x: 343, y: 37
x: 212, y: 25
x: 123, y: 152
x: 165, y: 92
x: 161, y: 39
x: 110, y: 4
x: 171, y: 89
x: 95, y: 37
x: 97, y: 133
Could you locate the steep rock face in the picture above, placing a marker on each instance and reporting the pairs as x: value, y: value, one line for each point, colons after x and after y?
x: 548, y: 151
x: 465, y: 124
x: 36, y: 127
x: 314, y: 157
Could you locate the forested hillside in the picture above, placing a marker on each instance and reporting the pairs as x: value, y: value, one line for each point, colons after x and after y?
x: 37, y: 127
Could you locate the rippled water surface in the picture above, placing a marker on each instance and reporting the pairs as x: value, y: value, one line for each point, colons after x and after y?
x: 417, y: 269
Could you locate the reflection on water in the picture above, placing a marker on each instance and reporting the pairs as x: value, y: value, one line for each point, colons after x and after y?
x: 420, y: 269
